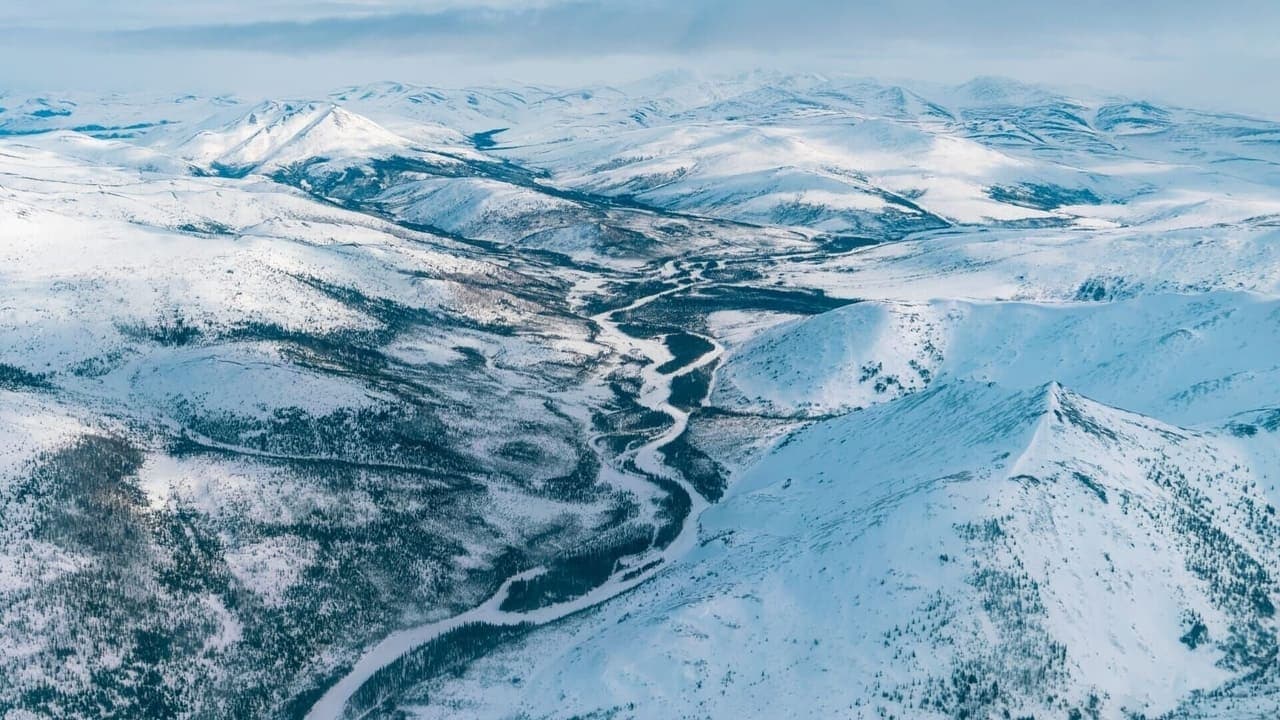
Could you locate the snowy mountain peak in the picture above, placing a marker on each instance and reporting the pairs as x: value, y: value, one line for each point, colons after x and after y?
x: 277, y: 134
x: 992, y: 91
x: 950, y: 582
x: 1053, y: 395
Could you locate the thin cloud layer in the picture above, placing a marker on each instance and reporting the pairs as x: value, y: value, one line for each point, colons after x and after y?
x: 1190, y: 51
x: 663, y: 26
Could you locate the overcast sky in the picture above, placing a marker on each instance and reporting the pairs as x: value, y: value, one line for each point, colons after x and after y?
x: 1218, y: 54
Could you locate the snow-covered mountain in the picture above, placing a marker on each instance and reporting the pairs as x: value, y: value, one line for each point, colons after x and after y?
x: 773, y: 395
x: 274, y: 135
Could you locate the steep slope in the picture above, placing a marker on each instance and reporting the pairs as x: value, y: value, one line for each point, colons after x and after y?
x: 274, y: 135
x: 962, y: 552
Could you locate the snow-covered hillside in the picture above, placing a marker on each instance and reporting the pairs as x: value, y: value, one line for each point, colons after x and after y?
x: 968, y: 551
x: 764, y: 396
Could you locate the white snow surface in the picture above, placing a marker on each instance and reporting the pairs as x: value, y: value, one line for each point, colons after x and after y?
x: 1038, y: 447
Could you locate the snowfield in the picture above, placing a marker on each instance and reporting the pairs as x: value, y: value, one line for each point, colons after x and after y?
x: 764, y: 396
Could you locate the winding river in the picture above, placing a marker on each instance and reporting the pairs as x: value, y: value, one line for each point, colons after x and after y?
x: 655, y: 394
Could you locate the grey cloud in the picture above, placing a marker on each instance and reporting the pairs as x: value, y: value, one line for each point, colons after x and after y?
x: 598, y: 26
x: 1185, y: 50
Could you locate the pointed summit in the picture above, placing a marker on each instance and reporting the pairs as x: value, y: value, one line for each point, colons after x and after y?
x: 275, y: 134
